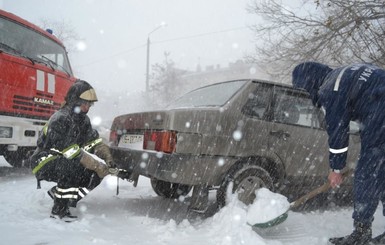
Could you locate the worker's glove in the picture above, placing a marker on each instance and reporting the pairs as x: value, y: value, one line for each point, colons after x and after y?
x: 121, y: 173
x: 111, y: 164
x: 103, y: 151
x: 90, y: 162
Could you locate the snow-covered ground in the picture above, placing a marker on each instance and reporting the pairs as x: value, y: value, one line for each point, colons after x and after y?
x: 138, y: 216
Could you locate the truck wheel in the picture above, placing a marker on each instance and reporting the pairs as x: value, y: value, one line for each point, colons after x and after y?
x: 168, y: 189
x: 245, y: 181
x: 17, y: 158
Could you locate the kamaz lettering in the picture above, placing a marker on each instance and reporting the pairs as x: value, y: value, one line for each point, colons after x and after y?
x: 43, y: 101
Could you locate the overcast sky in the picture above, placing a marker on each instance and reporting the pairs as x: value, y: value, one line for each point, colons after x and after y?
x: 114, y: 34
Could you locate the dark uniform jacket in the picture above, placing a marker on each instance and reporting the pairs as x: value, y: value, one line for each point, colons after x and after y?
x: 65, y: 128
x: 351, y: 93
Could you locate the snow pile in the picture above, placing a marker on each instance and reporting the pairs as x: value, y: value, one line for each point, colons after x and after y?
x: 233, y: 219
x: 267, y: 206
x: 230, y: 221
x: 227, y: 227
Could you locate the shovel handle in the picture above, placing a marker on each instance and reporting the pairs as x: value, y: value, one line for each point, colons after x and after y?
x: 315, y: 192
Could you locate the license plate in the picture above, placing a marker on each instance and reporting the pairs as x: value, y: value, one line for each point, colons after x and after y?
x: 132, y: 141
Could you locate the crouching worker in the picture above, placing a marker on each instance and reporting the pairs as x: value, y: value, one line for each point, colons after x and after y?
x: 63, y: 152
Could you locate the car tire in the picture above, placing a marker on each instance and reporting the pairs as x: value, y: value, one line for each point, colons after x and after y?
x: 245, y: 181
x: 168, y: 189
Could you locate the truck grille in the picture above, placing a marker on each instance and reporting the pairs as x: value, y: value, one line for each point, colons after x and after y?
x: 36, y: 106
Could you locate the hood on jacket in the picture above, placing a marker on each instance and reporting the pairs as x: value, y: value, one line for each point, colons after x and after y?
x: 310, y: 76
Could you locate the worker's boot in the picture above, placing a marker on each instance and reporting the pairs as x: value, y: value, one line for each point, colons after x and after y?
x: 52, y: 192
x: 362, y: 234
x: 60, y: 210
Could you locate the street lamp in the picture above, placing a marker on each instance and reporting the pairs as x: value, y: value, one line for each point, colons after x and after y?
x: 148, y: 55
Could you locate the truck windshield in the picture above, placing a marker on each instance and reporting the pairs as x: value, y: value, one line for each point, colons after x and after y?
x: 20, y: 40
x: 213, y: 95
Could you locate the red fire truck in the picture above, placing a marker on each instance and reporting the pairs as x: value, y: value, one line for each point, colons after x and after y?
x: 35, y: 75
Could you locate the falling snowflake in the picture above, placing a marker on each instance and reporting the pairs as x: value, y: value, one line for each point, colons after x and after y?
x: 237, y: 135
x: 221, y: 161
x: 145, y: 156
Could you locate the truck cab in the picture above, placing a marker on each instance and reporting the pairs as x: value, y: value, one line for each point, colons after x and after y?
x: 35, y: 74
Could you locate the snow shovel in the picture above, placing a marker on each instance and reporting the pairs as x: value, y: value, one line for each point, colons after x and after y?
x: 281, y: 218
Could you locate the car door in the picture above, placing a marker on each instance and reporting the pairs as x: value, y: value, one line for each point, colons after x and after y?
x: 296, y: 134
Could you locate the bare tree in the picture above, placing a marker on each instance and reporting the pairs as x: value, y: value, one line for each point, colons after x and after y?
x: 331, y: 31
x: 166, y: 80
x: 64, y: 31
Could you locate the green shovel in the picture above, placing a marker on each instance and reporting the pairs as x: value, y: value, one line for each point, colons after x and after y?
x: 281, y: 218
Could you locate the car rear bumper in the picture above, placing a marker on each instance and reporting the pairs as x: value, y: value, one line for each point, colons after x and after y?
x: 176, y: 168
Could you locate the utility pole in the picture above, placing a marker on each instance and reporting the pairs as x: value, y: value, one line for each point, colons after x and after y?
x: 148, y: 56
x: 148, y: 65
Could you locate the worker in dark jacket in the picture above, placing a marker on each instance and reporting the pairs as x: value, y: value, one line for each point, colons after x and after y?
x: 352, y: 93
x: 63, y: 152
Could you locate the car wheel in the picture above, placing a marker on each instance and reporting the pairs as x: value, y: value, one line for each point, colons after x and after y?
x: 168, y: 189
x: 245, y: 180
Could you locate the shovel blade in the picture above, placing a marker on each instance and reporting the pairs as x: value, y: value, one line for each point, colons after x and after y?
x: 272, y: 222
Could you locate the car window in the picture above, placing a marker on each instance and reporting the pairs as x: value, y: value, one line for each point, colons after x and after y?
x: 213, y: 95
x: 295, y: 108
x: 258, y: 102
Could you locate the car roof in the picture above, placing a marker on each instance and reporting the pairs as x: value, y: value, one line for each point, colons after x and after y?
x: 254, y: 80
x: 270, y: 82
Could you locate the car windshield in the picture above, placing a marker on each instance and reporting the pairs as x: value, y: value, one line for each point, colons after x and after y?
x: 212, y: 96
x: 22, y: 41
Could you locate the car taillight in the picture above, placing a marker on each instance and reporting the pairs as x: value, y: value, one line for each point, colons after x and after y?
x: 114, y: 137
x: 164, y: 141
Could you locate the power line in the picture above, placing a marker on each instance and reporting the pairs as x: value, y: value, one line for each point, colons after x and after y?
x: 200, y: 35
x: 113, y: 55
x: 164, y: 41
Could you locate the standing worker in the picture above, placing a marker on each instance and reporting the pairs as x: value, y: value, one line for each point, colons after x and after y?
x: 352, y: 93
x: 63, y: 152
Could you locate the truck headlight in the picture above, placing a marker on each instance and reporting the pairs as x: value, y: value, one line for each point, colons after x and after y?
x: 5, y: 132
